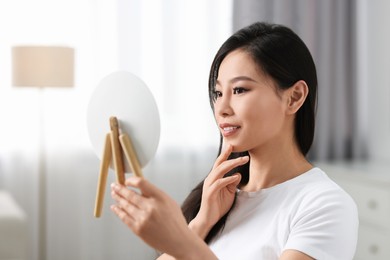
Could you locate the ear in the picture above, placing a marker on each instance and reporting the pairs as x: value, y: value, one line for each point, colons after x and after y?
x: 296, y: 96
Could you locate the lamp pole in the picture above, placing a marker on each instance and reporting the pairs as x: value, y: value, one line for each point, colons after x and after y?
x: 42, y: 188
x: 42, y: 66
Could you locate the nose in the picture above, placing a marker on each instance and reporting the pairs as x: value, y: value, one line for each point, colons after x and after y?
x: 223, y: 106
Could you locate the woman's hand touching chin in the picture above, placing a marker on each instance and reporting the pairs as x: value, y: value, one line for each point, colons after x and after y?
x: 218, y: 192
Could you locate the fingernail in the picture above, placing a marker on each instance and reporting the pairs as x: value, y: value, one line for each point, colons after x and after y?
x: 114, y: 186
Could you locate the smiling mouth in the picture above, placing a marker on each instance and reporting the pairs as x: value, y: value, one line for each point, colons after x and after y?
x: 229, y: 130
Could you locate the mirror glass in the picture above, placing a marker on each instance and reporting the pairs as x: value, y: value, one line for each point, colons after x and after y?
x: 125, y: 96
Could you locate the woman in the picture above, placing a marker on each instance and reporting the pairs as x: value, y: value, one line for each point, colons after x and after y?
x: 262, y: 198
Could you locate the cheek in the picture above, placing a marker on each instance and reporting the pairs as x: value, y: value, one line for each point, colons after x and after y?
x: 266, y: 116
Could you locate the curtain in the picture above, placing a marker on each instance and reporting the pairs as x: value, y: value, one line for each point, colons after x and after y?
x: 330, y: 30
x: 170, y: 45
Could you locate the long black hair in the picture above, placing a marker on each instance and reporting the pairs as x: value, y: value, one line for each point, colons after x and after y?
x: 284, y: 57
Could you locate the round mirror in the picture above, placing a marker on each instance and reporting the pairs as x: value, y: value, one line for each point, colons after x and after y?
x: 125, y: 96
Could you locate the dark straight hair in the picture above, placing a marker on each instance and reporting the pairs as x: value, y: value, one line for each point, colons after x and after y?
x: 284, y: 57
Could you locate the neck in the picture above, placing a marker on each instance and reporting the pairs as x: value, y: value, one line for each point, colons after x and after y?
x: 275, y: 164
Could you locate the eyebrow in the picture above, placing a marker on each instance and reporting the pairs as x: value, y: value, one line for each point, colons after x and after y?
x: 236, y: 79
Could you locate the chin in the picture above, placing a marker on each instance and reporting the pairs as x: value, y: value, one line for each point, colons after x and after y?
x: 238, y: 147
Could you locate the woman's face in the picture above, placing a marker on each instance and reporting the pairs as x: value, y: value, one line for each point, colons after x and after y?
x: 249, y: 111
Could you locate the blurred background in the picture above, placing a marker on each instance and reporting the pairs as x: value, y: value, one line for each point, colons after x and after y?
x: 170, y: 44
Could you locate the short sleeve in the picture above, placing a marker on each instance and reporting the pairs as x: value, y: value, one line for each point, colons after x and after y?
x: 325, y: 226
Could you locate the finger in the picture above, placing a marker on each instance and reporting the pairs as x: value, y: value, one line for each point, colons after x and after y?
x: 123, y: 216
x: 231, y: 182
x: 223, y: 156
x: 147, y: 189
x: 135, y: 200
x: 225, y: 167
x: 121, y: 193
x: 232, y: 187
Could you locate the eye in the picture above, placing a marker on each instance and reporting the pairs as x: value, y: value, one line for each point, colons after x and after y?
x: 239, y: 90
x: 217, y: 94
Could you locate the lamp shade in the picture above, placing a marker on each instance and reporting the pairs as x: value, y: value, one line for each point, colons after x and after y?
x: 42, y: 66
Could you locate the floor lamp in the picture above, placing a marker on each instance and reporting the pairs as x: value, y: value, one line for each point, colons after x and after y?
x: 42, y: 67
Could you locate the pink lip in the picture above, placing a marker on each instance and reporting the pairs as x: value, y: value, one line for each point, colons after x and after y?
x: 228, y: 129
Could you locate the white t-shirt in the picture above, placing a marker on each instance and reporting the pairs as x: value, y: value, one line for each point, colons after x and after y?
x: 309, y: 213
